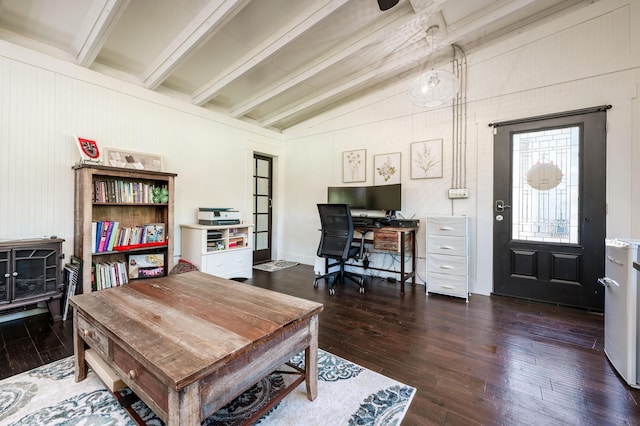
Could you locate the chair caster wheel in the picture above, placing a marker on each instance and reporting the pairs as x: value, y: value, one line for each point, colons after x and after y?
x: 361, y: 290
x: 332, y: 292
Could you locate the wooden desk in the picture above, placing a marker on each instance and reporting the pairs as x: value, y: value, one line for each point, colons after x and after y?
x: 188, y: 344
x: 392, y: 239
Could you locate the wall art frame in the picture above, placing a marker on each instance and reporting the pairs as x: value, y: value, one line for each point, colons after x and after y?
x: 386, y: 168
x: 354, y: 166
x: 426, y: 159
x: 133, y: 160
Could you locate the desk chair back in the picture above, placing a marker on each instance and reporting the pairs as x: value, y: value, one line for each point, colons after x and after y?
x: 337, y: 231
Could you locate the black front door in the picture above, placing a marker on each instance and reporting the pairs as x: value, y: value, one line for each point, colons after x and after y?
x: 549, y: 208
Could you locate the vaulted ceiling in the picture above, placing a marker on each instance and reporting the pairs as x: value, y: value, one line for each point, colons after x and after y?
x: 275, y: 63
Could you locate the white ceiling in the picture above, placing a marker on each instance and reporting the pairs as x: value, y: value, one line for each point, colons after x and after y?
x: 275, y: 63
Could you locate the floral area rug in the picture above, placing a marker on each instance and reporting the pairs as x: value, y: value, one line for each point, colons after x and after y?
x: 348, y: 394
x: 275, y: 265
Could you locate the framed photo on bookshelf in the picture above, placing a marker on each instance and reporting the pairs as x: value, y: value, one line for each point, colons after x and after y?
x: 133, y: 160
x: 150, y: 265
x: 154, y: 233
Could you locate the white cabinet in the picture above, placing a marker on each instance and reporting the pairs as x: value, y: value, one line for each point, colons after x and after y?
x: 448, y: 255
x: 225, y: 251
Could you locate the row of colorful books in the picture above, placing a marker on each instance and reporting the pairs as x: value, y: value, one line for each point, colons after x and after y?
x: 110, y: 274
x: 109, y: 235
x: 120, y: 191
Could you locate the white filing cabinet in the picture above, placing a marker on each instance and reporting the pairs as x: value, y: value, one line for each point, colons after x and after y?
x: 448, y: 255
x: 225, y: 250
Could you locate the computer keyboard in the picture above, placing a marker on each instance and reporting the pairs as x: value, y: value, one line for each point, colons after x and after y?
x: 371, y: 222
x: 362, y: 221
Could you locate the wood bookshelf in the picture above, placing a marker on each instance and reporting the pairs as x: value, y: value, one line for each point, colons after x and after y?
x: 129, y: 213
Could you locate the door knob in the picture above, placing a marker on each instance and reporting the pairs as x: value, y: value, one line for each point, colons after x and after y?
x: 501, y: 206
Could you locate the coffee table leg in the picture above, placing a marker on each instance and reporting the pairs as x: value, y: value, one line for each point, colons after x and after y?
x: 184, y: 406
x: 311, y: 360
x: 81, y: 368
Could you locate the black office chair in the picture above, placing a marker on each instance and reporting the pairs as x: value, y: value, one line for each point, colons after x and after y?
x: 336, y: 244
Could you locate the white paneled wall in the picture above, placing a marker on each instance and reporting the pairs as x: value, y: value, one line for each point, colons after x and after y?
x: 43, y: 104
x: 30, y: 155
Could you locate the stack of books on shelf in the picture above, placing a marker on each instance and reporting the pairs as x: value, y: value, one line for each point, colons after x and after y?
x: 108, y: 236
x: 120, y: 191
x: 110, y: 274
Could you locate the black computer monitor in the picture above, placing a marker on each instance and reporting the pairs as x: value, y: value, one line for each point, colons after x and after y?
x: 354, y: 196
x: 384, y: 197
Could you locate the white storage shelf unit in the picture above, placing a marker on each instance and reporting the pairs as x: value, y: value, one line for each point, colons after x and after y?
x: 225, y: 250
x: 448, y: 255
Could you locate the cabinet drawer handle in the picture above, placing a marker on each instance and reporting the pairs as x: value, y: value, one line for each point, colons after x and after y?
x: 88, y: 333
x: 445, y: 247
x: 445, y: 228
x: 15, y: 274
x: 132, y: 374
x: 446, y: 286
x: 7, y: 275
x: 445, y: 267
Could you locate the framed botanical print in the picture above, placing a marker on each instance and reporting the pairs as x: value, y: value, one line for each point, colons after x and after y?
x: 386, y: 169
x: 354, y: 166
x: 426, y: 159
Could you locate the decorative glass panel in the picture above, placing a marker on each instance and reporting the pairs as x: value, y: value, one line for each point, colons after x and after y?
x: 262, y: 204
x: 262, y: 168
x: 262, y: 186
x: 30, y: 279
x: 262, y: 222
x: 546, y: 174
x: 261, y: 240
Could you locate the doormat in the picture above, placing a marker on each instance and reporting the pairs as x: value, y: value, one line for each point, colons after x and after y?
x: 275, y: 265
x: 347, y: 394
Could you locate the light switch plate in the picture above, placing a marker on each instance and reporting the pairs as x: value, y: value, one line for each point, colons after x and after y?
x: 458, y: 193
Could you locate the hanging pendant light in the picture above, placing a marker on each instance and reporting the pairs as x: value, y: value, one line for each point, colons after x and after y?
x: 435, y: 87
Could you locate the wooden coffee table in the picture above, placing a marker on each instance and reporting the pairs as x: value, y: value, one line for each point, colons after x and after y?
x: 188, y: 344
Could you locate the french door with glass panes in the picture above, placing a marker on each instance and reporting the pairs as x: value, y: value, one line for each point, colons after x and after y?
x: 549, y: 208
x: 262, y: 200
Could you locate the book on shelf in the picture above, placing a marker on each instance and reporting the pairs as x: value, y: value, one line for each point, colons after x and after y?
x: 111, y: 236
x: 126, y: 192
x: 109, y: 274
x: 106, y: 226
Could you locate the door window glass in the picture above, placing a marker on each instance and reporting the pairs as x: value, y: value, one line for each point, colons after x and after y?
x: 546, y: 177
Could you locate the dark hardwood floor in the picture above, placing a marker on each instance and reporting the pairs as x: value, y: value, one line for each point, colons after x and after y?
x: 493, y: 361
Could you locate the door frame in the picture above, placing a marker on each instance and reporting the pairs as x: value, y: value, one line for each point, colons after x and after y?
x: 265, y: 255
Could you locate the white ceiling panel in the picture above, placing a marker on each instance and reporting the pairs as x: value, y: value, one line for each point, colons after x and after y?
x: 276, y: 63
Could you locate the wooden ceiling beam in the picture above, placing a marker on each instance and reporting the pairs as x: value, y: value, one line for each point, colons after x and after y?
x: 392, y: 66
x: 413, y: 54
x: 264, y: 51
x: 211, y: 19
x: 102, y: 18
x: 381, y: 30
